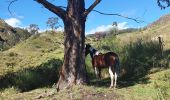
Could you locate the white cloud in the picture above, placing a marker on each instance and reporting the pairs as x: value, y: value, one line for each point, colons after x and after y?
x: 42, y: 30
x: 123, y: 25
x: 60, y: 29
x: 102, y: 28
x: 13, y: 22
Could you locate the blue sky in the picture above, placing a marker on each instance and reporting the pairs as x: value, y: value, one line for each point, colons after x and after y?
x: 30, y: 12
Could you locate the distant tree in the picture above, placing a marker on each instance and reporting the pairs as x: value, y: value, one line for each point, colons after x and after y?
x: 114, y: 29
x: 114, y: 24
x: 53, y: 23
x: 33, y: 28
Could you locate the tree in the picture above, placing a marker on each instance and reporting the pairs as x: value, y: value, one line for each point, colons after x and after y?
x: 73, y: 70
x: 52, y: 22
x: 33, y: 28
x: 74, y: 16
x: 114, y: 30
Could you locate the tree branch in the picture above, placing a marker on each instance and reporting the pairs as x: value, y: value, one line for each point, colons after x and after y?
x: 10, y: 3
x: 134, y: 19
x: 163, y: 6
x: 55, y: 9
x: 91, y: 7
x: 59, y: 10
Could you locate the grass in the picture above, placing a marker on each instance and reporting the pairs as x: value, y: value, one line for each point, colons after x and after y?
x: 31, y: 53
x: 139, y: 91
x: 32, y: 64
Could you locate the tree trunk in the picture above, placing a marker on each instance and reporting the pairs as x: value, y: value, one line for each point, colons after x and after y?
x: 73, y: 70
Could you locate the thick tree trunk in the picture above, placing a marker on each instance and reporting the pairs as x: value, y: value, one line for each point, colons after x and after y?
x: 73, y: 70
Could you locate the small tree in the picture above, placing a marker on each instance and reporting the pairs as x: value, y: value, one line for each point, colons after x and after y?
x: 33, y: 28
x: 53, y: 23
x: 115, y: 28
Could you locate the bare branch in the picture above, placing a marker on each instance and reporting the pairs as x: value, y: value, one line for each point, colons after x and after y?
x: 11, y: 2
x: 55, y: 9
x: 91, y: 7
x: 59, y: 10
x: 134, y: 19
x: 115, y: 14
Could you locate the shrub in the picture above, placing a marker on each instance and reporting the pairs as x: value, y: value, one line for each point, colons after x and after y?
x: 11, y: 54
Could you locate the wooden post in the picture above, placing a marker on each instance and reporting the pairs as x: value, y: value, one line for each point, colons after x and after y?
x: 160, y: 39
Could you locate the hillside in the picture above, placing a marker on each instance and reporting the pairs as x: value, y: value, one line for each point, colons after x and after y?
x: 12, y: 35
x: 29, y: 69
x: 39, y: 56
x: 164, y: 20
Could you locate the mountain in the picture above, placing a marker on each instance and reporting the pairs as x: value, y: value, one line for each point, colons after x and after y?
x: 164, y: 20
x: 11, y: 35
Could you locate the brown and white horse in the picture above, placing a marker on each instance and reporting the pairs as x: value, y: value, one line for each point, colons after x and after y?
x: 108, y: 60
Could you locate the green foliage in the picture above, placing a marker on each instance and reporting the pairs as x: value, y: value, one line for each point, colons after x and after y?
x: 11, y: 54
x: 31, y: 78
x: 140, y: 57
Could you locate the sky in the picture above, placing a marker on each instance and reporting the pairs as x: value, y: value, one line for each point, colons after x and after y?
x: 26, y: 12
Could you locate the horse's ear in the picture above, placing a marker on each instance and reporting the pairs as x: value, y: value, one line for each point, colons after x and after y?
x: 88, y: 44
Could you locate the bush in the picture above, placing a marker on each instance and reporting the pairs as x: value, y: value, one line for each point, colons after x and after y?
x: 138, y: 57
x: 27, y: 79
x: 11, y: 54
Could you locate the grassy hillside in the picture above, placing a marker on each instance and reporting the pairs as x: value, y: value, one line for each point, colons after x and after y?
x: 39, y: 56
x: 29, y: 69
x: 12, y: 35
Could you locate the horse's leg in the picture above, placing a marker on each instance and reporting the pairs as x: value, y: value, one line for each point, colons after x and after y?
x: 111, y: 76
x: 96, y: 72
x: 117, y: 72
x: 99, y: 73
x: 115, y: 79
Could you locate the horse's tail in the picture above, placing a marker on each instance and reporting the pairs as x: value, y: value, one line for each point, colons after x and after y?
x: 118, y: 69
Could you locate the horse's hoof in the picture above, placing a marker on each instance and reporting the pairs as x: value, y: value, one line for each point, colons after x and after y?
x: 111, y: 87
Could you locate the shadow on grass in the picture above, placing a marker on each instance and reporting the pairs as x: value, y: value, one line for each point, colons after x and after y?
x: 122, y: 82
x: 32, y: 78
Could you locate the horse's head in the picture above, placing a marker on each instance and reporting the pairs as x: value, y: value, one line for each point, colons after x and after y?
x: 91, y: 50
x: 87, y: 49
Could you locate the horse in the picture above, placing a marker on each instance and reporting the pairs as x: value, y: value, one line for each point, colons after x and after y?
x: 108, y: 60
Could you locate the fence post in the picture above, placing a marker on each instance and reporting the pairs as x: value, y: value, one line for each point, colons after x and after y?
x: 161, y: 45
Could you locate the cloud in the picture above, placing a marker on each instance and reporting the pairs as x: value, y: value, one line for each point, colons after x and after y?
x: 99, y: 29
x: 60, y: 29
x: 14, y: 22
x: 123, y: 25
x: 102, y: 28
